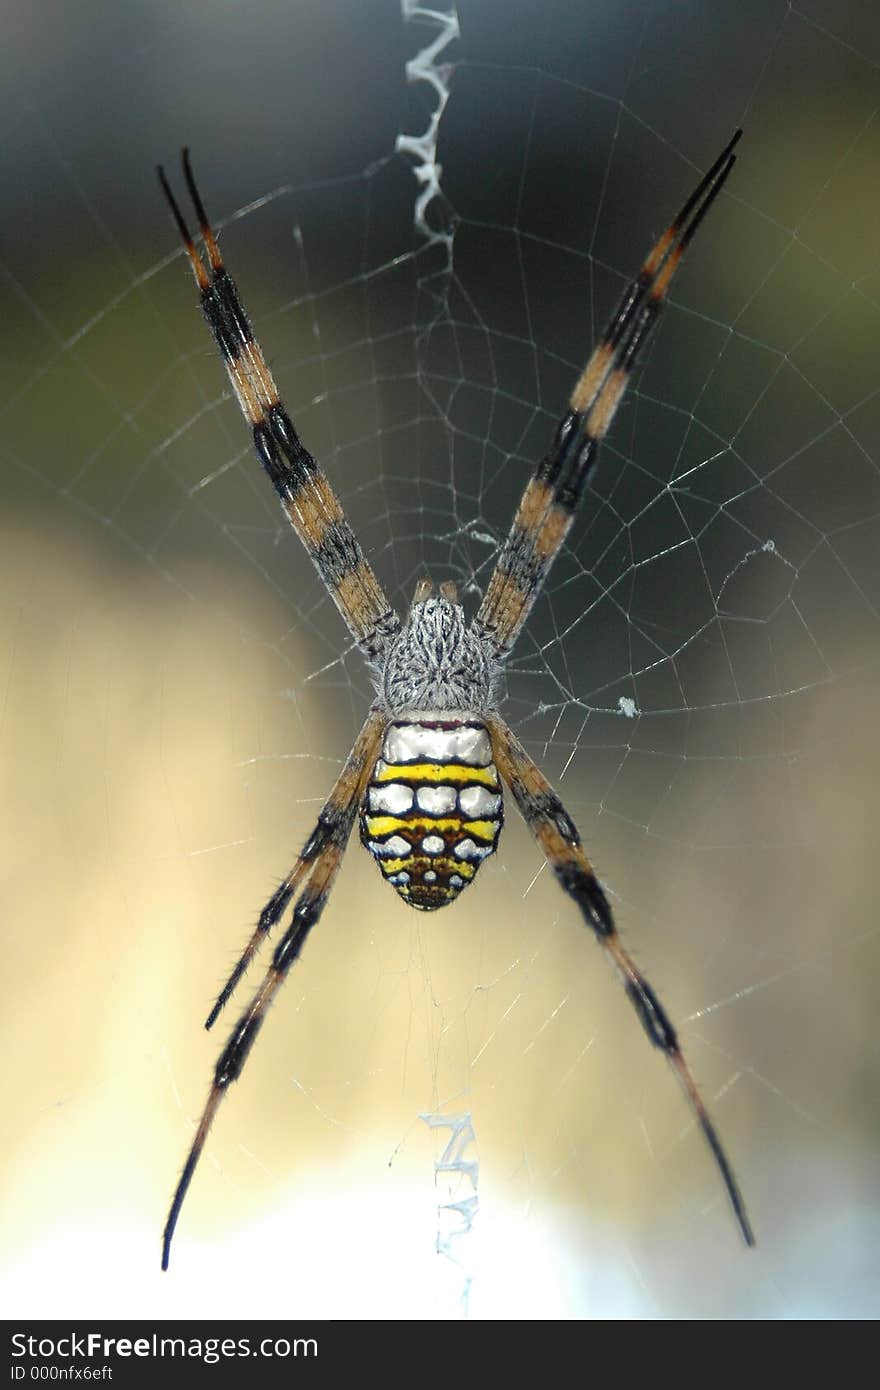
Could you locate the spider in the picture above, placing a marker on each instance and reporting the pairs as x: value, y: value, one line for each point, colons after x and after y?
x: 424, y: 777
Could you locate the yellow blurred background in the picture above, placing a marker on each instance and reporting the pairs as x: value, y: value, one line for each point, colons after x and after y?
x: 178, y: 695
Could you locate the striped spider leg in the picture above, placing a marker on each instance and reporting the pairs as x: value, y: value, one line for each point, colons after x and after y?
x: 309, y: 502
x: 318, y: 863
x: 542, y: 522
x: 546, y: 511
x: 316, y: 515
x: 558, y: 837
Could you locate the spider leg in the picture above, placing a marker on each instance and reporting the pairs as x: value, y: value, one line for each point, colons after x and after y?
x: 308, y: 500
x: 558, y: 837
x: 548, y: 505
x: 322, y: 867
x: 332, y: 827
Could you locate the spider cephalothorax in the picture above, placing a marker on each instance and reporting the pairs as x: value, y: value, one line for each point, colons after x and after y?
x: 426, y: 769
x: 437, y: 661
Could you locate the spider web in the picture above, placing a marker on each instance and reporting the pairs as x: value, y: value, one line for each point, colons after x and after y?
x: 427, y: 262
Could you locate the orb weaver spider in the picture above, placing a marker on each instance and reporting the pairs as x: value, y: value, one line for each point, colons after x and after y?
x: 425, y: 775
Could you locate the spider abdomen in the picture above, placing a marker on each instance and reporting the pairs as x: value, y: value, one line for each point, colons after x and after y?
x: 432, y: 811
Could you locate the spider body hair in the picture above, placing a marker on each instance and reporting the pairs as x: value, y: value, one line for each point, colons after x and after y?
x: 437, y: 662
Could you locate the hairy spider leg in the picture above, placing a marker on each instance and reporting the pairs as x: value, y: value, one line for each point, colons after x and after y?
x: 546, y: 511
x: 560, y: 842
x: 332, y: 833
x: 306, y: 496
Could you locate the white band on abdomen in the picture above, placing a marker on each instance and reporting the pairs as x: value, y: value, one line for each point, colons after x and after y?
x: 408, y: 742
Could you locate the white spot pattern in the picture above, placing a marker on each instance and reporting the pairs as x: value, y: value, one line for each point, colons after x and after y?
x: 436, y: 800
x: 394, y: 848
x: 477, y: 801
x: 394, y: 798
x: 467, y: 849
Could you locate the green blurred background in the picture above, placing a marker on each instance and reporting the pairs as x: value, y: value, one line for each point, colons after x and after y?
x: 177, y: 692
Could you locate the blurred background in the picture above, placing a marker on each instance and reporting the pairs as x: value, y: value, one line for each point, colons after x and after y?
x: 700, y: 680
